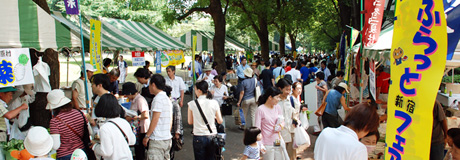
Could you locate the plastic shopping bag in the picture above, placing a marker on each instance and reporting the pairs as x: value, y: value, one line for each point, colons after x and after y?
x: 301, y: 137
x: 304, y: 120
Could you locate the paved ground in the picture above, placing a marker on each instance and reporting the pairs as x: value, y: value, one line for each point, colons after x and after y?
x: 234, y: 144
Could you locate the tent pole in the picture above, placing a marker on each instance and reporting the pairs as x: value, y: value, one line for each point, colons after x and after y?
x: 83, y: 62
x: 362, y: 60
x: 453, y: 73
x: 67, y: 84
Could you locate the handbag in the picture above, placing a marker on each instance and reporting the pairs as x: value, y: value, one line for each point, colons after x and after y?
x: 85, y: 138
x: 218, y: 141
x: 320, y: 110
x: 257, y: 91
x: 177, y: 144
x: 226, y: 109
x: 236, y: 115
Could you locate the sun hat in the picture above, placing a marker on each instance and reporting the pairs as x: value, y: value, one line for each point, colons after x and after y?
x: 248, y: 72
x: 345, y: 86
x: 207, y: 68
x: 129, y: 88
x: 7, y: 89
x: 38, y: 141
x: 56, y: 98
x: 89, y: 67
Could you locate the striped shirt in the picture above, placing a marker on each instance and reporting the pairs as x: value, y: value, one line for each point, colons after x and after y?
x: 161, y: 103
x: 69, y: 141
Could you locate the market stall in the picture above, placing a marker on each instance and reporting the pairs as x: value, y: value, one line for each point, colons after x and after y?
x: 205, y: 40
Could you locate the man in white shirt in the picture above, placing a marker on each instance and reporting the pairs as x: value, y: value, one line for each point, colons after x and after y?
x: 325, y: 70
x: 295, y: 74
x: 123, y: 67
x: 343, y: 143
x: 78, y: 89
x: 177, y: 85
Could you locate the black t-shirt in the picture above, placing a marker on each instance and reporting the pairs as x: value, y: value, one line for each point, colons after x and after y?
x: 266, y: 76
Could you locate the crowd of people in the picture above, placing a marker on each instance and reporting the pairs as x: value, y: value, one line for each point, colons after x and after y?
x: 268, y: 92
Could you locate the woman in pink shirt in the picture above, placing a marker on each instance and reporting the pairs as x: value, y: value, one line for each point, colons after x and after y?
x: 269, y: 119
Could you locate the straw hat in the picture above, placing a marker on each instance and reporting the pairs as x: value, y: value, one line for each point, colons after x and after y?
x: 248, y: 72
x: 38, y: 141
x: 56, y: 98
x: 345, y: 86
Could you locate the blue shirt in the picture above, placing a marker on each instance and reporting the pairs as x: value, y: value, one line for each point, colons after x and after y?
x: 248, y: 86
x: 240, y: 69
x: 333, y: 102
x: 313, y: 70
x: 276, y: 72
x: 304, y: 71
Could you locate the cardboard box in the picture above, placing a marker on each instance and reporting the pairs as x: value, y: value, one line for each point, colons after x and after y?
x: 447, y: 87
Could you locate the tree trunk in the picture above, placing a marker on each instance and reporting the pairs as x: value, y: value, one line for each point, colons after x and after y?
x: 215, y: 9
x: 51, y: 57
x: 43, y: 4
x: 263, y: 37
x: 292, y: 38
x: 282, y: 40
x: 115, y: 58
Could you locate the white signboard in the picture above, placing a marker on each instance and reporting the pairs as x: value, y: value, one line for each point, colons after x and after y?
x: 372, y: 88
x: 138, y: 58
x: 15, y: 67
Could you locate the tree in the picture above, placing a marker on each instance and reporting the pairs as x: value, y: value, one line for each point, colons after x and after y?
x: 296, y: 19
x: 257, y: 14
x: 181, y: 9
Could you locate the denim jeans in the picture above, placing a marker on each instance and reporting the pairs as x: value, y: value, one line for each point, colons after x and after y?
x: 203, y: 148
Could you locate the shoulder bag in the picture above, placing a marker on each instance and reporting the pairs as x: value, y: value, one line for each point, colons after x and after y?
x: 85, y: 137
x: 217, y: 141
x: 257, y: 91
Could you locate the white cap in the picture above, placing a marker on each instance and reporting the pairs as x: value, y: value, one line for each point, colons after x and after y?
x: 89, y: 67
x: 344, y: 86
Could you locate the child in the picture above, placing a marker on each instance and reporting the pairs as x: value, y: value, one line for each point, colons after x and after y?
x: 451, y: 133
x: 253, y: 147
x: 39, y: 143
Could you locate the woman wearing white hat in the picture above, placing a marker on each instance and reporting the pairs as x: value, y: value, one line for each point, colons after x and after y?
x: 66, y: 126
x: 38, y: 143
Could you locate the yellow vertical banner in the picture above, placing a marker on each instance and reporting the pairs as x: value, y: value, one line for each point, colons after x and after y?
x: 95, y: 45
x: 193, y: 59
x: 417, y: 63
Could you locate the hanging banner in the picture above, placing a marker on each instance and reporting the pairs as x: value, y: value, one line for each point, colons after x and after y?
x: 95, y: 45
x: 138, y: 58
x: 71, y: 6
x: 372, y: 21
x: 372, y: 76
x: 453, y: 24
x: 418, y: 59
x: 158, y: 62
x: 172, y: 58
x: 354, y: 36
x: 15, y: 67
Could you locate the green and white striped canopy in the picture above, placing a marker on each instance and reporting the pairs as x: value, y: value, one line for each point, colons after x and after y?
x: 381, y: 50
x: 26, y: 25
x: 204, y: 41
x: 125, y: 35
x: 272, y: 46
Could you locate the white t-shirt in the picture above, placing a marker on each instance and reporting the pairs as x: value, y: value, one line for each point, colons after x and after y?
x: 41, y: 76
x: 79, y: 85
x: 339, y: 144
x: 219, y: 93
x: 209, y: 108
x: 162, y: 103
x: 209, y: 80
x: 113, y: 144
x: 295, y: 74
x: 177, y: 85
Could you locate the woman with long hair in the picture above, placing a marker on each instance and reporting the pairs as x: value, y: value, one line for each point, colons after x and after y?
x: 269, y: 118
x: 158, y: 136
x: 202, y: 144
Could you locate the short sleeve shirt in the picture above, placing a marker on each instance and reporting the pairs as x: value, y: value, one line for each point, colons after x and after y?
x: 253, y: 152
x: 140, y: 104
x: 79, y: 85
x: 304, y: 71
x: 219, y: 93
x: 438, y: 117
x: 266, y: 76
x: 69, y: 140
x: 177, y: 85
x: 248, y: 86
x: 162, y: 103
x: 3, y: 111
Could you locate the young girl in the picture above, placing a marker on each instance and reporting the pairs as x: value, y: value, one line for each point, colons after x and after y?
x: 451, y: 133
x: 253, y: 147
